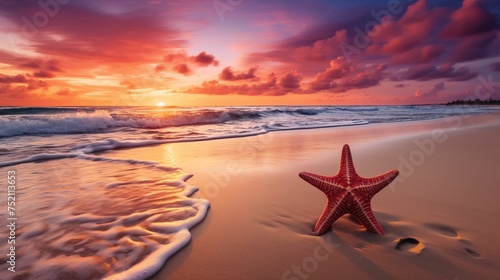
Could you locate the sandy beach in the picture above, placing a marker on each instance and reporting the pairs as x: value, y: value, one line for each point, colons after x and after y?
x: 260, y: 222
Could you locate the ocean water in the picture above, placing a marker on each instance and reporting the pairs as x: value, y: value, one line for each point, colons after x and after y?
x: 38, y: 131
x: 83, y: 215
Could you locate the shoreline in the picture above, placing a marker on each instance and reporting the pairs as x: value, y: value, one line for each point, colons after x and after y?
x: 259, y: 228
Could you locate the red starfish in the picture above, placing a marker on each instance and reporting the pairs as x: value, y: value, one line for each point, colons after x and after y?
x: 347, y: 192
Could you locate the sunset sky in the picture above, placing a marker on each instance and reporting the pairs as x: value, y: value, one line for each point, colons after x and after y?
x: 247, y: 52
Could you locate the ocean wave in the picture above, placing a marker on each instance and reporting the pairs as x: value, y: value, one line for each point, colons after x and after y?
x: 358, y: 109
x: 102, y: 120
x: 39, y: 110
x: 79, y: 121
x: 298, y: 111
x: 280, y: 126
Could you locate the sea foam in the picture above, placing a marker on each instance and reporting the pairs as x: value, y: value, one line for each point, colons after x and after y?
x: 78, y: 223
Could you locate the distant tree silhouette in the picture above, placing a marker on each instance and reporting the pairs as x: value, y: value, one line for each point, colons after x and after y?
x: 476, y: 101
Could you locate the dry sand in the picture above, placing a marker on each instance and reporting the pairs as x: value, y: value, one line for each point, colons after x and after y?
x: 259, y: 226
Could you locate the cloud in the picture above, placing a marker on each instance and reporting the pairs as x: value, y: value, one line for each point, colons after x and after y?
x: 475, y: 27
x: 9, y: 91
x: 34, y: 64
x: 288, y: 83
x: 5, y: 79
x: 31, y: 84
x: 228, y: 74
x: 135, y: 35
x: 470, y: 20
x: 128, y: 84
x: 341, y: 76
x: 419, y: 55
x: 323, y: 49
x: 68, y: 92
x: 160, y: 68
x: 291, y: 80
x: 409, y: 32
x: 204, y: 59
x: 495, y: 66
x: 44, y: 69
x: 429, y: 72
x: 475, y: 47
x: 183, y: 69
x: 20, y: 86
x: 425, y: 41
x: 36, y: 84
x: 43, y: 74
x: 422, y: 35
x: 52, y: 65
x: 432, y: 93
x: 180, y: 62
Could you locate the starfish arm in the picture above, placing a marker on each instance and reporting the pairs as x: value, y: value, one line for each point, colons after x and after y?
x: 346, y: 168
x: 333, y: 210
x: 323, y: 183
x: 371, y: 186
x: 362, y: 211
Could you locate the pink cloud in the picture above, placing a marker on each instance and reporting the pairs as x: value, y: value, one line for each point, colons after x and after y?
x: 181, y: 63
x: 470, y: 20
x: 473, y: 47
x: 8, y: 91
x: 43, y: 74
x: 228, y: 74
x: 19, y: 86
x: 419, y: 54
x: 291, y: 80
x: 342, y: 76
x: 22, y: 82
x: 182, y: 69
x: 414, y: 38
x: 5, y: 79
x: 288, y: 83
x: 426, y: 72
x: 476, y: 29
x: 432, y: 93
x: 321, y: 50
x: 52, y: 65
x: 68, y: 92
x: 138, y: 36
x: 204, y: 59
x: 407, y: 40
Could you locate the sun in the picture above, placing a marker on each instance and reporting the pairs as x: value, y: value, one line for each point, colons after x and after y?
x: 160, y: 104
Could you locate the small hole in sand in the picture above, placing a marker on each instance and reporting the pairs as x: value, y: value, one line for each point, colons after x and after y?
x: 409, y: 244
x: 472, y: 252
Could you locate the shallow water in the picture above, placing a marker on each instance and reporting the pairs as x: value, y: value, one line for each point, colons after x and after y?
x: 82, y: 219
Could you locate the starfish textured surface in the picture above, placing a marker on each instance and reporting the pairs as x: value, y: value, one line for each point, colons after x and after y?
x: 348, y: 193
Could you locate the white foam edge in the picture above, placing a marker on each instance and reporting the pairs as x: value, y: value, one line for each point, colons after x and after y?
x: 39, y: 157
x: 337, y: 124
x: 46, y: 157
x: 156, y: 260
